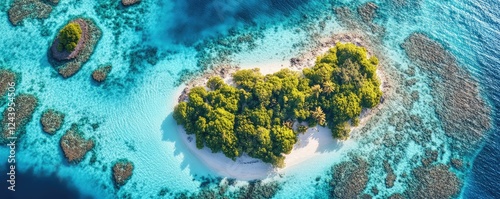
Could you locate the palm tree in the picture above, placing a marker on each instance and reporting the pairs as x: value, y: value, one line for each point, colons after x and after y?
x: 319, y: 116
x: 316, y: 90
x: 328, y: 87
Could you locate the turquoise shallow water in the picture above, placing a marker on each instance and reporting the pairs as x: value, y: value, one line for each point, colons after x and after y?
x: 154, y: 44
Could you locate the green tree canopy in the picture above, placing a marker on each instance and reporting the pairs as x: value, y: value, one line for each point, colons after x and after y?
x: 256, y: 116
x: 69, y: 37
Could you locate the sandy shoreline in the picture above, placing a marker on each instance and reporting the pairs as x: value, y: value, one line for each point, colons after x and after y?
x: 310, y: 144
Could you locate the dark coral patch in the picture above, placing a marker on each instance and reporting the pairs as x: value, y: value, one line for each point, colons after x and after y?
x: 51, y: 121
x: 465, y: 116
x: 391, y: 177
x: 368, y: 11
x: 74, y: 145
x: 8, y: 80
x: 100, y: 74
x: 122, y: 171
x: 349, y: 178
x: 22, y: 9
x: 15, y: 118
x: 434, y: 182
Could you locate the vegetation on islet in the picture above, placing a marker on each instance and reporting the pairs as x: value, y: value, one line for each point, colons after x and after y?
x: 256, y: 116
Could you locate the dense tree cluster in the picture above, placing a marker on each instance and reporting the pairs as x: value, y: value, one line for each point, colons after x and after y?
x: 256, y: 115
x: 69, y: 37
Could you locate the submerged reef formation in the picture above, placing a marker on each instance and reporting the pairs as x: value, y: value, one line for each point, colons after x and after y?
x: 257, y: 116
x: 22, y: 9
x: 8, y: 79
x: 52, y: 121
x: 464, y: 115
x: 226, y: 188
x: 361, y: 19
x: 391, y: 177
x: 100, y: 74
x: 53, y: 2
x: 434, y: 182
x: 122, y: 172
x: 73, y: 46
x: 15, y: 119
x: 367, y: 11
x: 74, y: 145
x: 349, y: 178
x: 130, y: 2
x: 119, y: 18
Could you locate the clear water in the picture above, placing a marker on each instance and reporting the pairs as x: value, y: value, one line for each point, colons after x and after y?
x: 134, y: 108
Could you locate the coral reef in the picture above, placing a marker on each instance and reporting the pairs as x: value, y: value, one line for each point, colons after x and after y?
x: 465, y: 116
x: 257, y: 189
x: 374, y: 190
x: 349, y: 178
x: 391, y: 177
x: 344, y: 15
x: 23, y: 111
x: 51, y: 121
x: 7, y: 78
x: 68, y: 63
x: 22, y: 9
x: 122, y: 171
x: 431, y: 156
x: 254, y: 189
x: 53, y: 2
x: 74, y: 145
x: 396, y: 196
x: 100, y: 74
x: 130, y: 2
x: 367, y: 11
x: 434, y: 182
x: 457, y: 163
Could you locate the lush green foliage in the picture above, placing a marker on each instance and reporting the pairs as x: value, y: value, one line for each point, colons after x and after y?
x: 256, y: 117
x: 69, y: 37
x: 348, y: 83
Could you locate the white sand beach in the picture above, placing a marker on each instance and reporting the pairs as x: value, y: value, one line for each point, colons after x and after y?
x: 312, y: 143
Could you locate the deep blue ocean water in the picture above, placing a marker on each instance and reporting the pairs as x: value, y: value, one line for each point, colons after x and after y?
x: 482, y: 183
x: 134, y: 107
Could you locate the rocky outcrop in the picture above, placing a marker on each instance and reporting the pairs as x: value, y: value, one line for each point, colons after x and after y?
x: 68, y: 63
x: 22, y: 9
x: 122, y: 171
x: 130, y: 2
x: 74, y: 145
x: 100, y: 74
x: 51, y: 121
x: 62, y: 55
x: 15, y: 118
x: 7, y: 79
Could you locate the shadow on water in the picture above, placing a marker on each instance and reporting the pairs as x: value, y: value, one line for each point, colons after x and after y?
x: 200, y: 172
x: 196, y: 168
x: 191, y: 20
x: 30, y: 185
x: 322, y: 135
